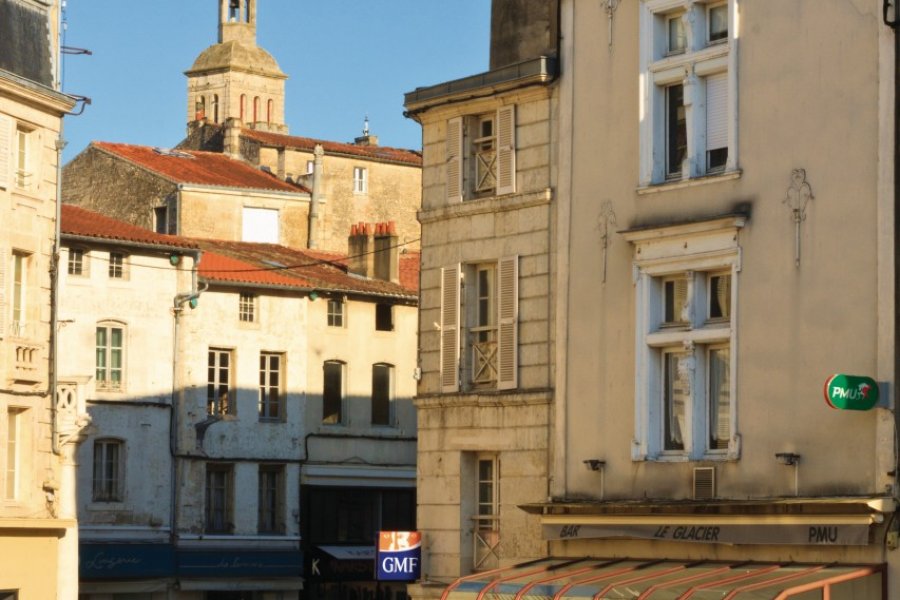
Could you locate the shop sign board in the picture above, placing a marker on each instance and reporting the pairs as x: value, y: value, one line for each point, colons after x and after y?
x: 851, y: 392
x: 722, y: 533
x: 399, y: 556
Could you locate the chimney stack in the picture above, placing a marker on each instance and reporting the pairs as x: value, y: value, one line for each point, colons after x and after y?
x: 374, y: 251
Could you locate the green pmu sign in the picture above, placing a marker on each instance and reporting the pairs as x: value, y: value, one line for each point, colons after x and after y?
x: 851, y: 392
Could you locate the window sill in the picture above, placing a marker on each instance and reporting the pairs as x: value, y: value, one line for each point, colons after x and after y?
x: 271, y: 421
x: 667, y: 186
x: 100, y: 506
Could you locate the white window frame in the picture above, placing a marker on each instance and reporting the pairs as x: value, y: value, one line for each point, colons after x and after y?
x: 248, y: 307
x: 25, y: 157
x: 360, y: 180
x: 214, y: 400
x: 660, y: 69
x: 271, y: 363
x: 270, y: 502
x: 118, y: 265
x: 108, y: 485
x: 104, y: 373
x: 336, y: 312
x: 77, y: 262
x: 219, y: 487
x: 660, y: 254
x: 20, y: 269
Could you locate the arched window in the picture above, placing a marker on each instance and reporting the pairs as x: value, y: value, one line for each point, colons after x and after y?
x: 200, y: 108
x: 215, y: 107
x: 256, y: 109
x: 109, y: 470
x: 243, y: 107
x: 270, y: 105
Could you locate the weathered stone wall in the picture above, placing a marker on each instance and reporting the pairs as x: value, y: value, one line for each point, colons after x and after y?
x: 522, y: 30
x: 114, y: 187
x: 394, y: 194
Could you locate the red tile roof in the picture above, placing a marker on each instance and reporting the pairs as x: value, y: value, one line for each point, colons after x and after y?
x: 78, y: 221
x: 252, y: 263
x: 203, y: 168
x: 378, y: 153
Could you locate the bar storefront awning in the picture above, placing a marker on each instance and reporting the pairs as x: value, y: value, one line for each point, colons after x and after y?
x: 598, y: 579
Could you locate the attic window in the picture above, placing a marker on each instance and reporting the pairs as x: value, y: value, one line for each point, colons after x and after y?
x: 172, y: 152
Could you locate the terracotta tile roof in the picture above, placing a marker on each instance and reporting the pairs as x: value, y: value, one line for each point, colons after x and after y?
x: 204, y: 168
x: 271, y: 264
x: 378, y: 153
x: 252, y: 263
x: 78, y: 221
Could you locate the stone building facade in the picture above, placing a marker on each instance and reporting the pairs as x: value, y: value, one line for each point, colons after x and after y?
x: 486, y: 316
x: 38, y: 533
x: 238, y: 426
x: 716, y: 265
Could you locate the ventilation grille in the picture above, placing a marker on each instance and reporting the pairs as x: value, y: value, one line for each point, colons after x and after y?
x: 704, y: 483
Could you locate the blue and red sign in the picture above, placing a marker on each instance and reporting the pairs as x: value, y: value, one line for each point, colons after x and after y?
x: 399, y: 556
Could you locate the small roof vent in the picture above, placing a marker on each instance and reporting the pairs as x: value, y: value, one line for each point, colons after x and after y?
x: 704, y: 483
x: 172, y: 152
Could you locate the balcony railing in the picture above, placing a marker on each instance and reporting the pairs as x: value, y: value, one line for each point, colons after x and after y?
x: 484, y: 355
x: 486, y: 539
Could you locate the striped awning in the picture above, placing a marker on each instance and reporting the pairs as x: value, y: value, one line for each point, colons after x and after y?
x: 586, y: 579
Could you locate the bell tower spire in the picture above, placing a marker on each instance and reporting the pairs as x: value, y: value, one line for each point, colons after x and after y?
x: 237, y: 21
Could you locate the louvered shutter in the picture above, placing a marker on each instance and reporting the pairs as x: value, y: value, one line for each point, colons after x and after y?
x: 508, y: 308
x: 6, y: 150
x: 506, y: 150
x: 450, y: 329
x: 717, y: 112
x: 455, y: 160
x: 4, y: 266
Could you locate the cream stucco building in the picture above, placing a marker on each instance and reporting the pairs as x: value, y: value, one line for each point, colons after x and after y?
x: 38, y: 533
x: 239, y: 428
x: 722, y: 246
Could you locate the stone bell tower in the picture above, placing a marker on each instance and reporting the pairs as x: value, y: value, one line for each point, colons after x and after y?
x: 235, y: 78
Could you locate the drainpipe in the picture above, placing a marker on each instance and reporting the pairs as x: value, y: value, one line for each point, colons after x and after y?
x: 891, y: 16
x: 318, y: 153
x: 178, y: 303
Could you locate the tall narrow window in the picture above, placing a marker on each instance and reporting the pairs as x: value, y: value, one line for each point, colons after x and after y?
x: 677, y: 40
x: 360, y: 180
x: 271, y: 499
x: 676, y: 131
x: 215, y: 107
x: 381, y: 394
x: 247, y: 308
x: 333, y: 393
x: 219, y: 400
x: 255, y: 109
x: 116, y: 265
x: 110, y: 357
x: 717, y: 23
x: 335, y: 312
x: 243, y: 107
x: 270, y: 109
x: 719, y: 395
x: 384, y: 317
x: 20, y: 295
x: 23, y: 155
x: 14, y: 420
x: 484, y: 152
x: 487, y: 516
x: 716, y: 122
x: 674, y: 401
x: 270, y: 387
x: 484, y: 331
x: 219, y: 502
x: 107, y: 478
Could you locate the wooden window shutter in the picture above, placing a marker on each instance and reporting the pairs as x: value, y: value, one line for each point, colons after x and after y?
x: 455, y: 160
x: 717, y: 111
x: 507, y: 337
x: 506, y: 150
x: 450, y: 329
x: 6, y: 150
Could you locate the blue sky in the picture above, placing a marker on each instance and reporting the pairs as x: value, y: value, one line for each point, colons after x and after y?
x: 344, y: 59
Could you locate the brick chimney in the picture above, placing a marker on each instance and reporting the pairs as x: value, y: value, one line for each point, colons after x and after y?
x: 387, y: 252
x: 360, y: 250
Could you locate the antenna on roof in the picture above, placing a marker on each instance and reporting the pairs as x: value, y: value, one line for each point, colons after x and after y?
x: 366, y: 126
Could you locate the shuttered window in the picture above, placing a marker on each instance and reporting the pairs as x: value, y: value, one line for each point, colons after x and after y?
x: 716, y: 121
x: 450, y: 329
x: 506, y: 150
x: 455, y: 160
x: 507, y: 338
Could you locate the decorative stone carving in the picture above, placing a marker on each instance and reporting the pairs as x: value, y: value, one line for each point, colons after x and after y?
x: 798, y: 196
x: 606, y: 221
